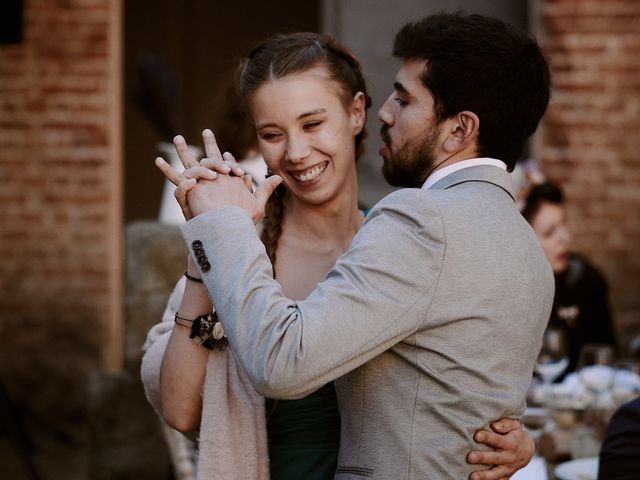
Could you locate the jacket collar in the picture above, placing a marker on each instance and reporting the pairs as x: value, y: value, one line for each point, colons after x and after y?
x: 480, y: 173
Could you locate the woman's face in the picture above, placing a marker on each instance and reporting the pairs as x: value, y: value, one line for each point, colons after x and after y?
x: 306, y: 134
x: 551, y: 229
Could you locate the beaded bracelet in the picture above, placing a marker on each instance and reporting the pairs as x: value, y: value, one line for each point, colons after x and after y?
x: 206, y: 330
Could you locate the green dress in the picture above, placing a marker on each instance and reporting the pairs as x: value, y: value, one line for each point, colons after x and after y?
x: 304, y: 436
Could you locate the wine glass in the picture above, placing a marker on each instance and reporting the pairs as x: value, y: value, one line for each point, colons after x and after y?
x: 626, y: 380
x: 596, y: 372
x: 552, y: 359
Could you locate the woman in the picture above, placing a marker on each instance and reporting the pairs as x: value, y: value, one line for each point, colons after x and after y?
x: 307, y: 97
x: 580, y: 305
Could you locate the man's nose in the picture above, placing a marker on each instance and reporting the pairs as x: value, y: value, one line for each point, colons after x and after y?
x: 384, y: 114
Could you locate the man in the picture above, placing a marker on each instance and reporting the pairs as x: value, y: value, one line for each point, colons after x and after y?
x: 619, y: 453
x: 430, y: 323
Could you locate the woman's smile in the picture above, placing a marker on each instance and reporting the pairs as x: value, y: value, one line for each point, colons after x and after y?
x: 310, y: 175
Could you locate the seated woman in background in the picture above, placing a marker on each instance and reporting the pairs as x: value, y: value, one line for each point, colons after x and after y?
x: 581, y: 306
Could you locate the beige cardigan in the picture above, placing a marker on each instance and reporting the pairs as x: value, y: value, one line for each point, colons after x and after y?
x: 233, y: 433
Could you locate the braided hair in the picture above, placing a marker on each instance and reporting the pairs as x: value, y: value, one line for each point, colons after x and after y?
x: 284, y: 54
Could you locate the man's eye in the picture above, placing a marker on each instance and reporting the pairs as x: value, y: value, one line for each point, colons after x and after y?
x: 400, y: 101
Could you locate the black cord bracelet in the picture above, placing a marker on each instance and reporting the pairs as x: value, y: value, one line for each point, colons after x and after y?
x: 192, y: 278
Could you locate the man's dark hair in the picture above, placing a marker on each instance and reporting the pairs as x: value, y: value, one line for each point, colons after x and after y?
x: 486, y: 66
x: 544, y: 192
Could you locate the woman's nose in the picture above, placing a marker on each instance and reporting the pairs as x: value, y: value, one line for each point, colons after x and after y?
x: 297, y: 148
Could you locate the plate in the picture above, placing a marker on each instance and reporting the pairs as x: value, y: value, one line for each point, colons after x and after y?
x: 579, y: 469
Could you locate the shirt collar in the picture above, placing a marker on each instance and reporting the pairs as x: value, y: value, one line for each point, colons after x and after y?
x: 454, y: 167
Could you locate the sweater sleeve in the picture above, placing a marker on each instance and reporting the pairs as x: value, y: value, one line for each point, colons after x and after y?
x: 155, y: 346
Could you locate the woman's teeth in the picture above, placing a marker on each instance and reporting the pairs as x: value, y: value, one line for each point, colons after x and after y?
x: 311, y: 174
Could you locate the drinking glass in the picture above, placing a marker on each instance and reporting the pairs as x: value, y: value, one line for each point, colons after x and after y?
x: 626, y: 380
x: 596, y: 371
x: 552, y: 359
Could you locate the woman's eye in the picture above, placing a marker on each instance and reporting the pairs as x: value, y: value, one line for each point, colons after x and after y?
x: 311, y: 125
x: 270, y: 135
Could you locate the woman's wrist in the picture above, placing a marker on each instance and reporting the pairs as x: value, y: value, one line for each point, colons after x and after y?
x: 192, y: 271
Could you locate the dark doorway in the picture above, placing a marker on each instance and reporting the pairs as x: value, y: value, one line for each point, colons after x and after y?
x: 178, y: 55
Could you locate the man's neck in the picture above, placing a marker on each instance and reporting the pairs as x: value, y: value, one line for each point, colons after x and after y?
x: 455, y: 157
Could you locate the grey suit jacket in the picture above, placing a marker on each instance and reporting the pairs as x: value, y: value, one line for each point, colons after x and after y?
x: 430, y: 323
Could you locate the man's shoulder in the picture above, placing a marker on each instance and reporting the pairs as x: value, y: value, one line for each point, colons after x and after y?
x: 407, y: 206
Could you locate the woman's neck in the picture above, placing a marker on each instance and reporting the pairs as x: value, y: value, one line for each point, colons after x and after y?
x: 334, y: 223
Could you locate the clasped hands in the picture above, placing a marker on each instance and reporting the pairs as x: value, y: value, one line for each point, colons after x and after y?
x: 215, y: 181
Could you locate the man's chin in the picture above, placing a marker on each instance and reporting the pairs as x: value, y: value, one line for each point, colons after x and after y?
x: 396, y: 178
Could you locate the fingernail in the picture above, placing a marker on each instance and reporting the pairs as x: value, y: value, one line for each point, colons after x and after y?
x: 472, y: 458
x: 178, y: 138
x: 159, y: 160
x: 207, y: 132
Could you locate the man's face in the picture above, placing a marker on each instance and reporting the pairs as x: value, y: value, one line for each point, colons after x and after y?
x: 409, y: 129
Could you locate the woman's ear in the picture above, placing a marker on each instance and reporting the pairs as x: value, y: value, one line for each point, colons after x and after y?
x: 358, y: 112
x: 463, y: 129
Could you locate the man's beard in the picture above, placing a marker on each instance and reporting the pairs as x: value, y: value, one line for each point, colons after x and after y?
x: 412, y: 163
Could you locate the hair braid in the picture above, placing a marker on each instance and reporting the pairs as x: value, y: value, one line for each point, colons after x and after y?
x: 274, y: 212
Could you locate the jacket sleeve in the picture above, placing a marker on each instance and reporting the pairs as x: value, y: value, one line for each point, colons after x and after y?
x: 376, y: 295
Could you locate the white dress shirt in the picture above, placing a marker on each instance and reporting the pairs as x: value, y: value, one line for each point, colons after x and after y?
x: 454, y: 167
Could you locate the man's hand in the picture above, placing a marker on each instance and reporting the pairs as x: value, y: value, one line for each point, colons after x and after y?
x: 514, y: 448
x: 225, y: 191
x: 215, y: 165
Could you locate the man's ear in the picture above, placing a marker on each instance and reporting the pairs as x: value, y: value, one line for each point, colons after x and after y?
x: 358, y: 112
x: 463, y: 131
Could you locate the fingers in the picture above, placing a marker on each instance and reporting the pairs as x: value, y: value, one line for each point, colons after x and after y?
x: 262, y: 194
x: 231, y: 161
x: 248, y: 182
x: 264, y: 191
x: 168, y: 171
x: 213, y: 153
x: 494, y: 473
x: 491, y: 439
x: 211, y: 149
x: 217, y: 165
x: 181, y: 196
x: 506, y: 425
x: 490, y: 457
x: 200, y: 172
x: 187, y: 159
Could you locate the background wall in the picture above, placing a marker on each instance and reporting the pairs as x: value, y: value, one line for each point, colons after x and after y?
x: 588, y: 140
x: 60, y: 222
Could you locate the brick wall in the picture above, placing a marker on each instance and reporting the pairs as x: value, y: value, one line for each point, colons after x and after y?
x: 60, y: 221
x: 590, y: 141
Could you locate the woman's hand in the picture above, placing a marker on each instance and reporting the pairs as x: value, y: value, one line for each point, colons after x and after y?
x: 513, y: 449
